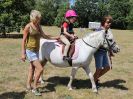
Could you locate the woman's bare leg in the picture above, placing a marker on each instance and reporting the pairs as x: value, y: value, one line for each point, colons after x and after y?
x: 96, y: 74
x: 30, y: 75
x: 38, y: 71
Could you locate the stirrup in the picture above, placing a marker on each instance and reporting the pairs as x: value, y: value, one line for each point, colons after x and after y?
x: 66, y: 58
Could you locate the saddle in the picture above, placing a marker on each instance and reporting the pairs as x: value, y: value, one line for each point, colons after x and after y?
x: 70, y: 51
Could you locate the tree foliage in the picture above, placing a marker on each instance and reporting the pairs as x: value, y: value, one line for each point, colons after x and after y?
x: 14, y: 14
x: 60, y: 16
x: 130, y: 16
x: 91, y: 10
x: 119, y: 9
x: 48, y: 9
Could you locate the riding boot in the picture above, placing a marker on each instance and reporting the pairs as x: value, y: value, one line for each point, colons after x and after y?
x: 70, y: 61
x: 65, y: 58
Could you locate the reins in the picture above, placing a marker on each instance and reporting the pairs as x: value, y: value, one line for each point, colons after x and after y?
x: 88, y: 44
x: 104, y: 41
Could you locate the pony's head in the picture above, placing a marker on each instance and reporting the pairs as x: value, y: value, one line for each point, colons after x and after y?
x: 109, y: 43
x: 101, y: 38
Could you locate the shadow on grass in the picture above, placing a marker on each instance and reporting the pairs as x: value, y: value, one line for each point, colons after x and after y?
x: 13, y: 95
x: 81, y: 84
x: 117, y: 83
x: 56, y: 80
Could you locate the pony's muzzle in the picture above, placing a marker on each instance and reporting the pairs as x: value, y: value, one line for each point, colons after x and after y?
x: 117, y: 49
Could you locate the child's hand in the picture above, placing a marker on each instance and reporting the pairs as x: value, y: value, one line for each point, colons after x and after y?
x: 76, y: 37
x: 72, y: 36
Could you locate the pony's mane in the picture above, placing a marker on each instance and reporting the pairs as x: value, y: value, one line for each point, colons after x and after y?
x: 92, y: 34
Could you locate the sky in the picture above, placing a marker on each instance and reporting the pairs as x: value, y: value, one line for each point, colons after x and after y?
x: 71, y: 2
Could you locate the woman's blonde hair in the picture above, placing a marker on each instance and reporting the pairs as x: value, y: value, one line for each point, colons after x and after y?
x: 34, y: 15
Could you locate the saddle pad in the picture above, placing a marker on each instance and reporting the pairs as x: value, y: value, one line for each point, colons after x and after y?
x: 75, y: 54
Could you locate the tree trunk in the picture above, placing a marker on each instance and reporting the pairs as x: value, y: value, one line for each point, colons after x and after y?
x: 4, y: 34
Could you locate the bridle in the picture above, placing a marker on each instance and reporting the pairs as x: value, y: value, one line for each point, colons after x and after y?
x: 91, y: 45
x: 105, y: 39
x: 110, y: 46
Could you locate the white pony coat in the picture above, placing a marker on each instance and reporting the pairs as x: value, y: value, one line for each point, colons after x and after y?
x: 50, y: 50
x: 87, y: 46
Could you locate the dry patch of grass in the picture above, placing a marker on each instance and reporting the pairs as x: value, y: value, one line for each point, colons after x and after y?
x: 116, y: 84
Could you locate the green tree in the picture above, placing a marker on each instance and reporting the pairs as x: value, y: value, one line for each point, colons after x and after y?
x: 119, y: 9
x: 102, y: 10
x: 61, y: 13
x: 130, y: 17
x: 89, y: 10
x: 48, y: 8
x: 14, y: 14
x: 4, y: 16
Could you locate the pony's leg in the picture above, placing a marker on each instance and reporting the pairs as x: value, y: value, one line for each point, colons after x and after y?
x: 89, y: 74
x: 73, y: 73
x: 41, y: 80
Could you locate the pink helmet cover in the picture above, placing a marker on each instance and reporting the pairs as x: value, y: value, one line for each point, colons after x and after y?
x: 70, y: 13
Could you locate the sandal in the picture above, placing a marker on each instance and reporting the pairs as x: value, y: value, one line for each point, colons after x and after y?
x: 36, y: 92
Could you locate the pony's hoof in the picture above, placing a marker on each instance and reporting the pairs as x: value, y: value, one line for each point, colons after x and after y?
x: 70, y: 88
x: 95, y: 91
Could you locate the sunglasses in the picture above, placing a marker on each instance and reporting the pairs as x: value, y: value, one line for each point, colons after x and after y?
x: 108, y: 22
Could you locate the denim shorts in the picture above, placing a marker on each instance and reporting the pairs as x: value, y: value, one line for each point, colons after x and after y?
x: 31, y: 55
x: 101, y: 59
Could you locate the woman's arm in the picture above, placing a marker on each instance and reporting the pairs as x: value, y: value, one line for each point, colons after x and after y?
x: 25, y: 33
x: 46, y: 36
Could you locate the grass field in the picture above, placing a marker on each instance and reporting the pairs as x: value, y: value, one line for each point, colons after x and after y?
x: 116, y: 84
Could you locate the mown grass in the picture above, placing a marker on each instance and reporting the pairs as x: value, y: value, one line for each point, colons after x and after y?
x: 116, y: 84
